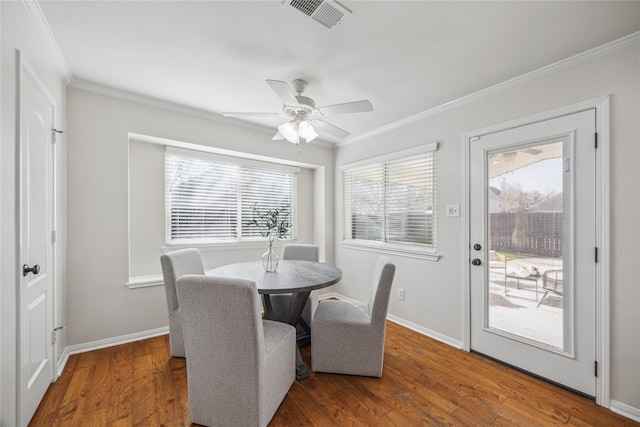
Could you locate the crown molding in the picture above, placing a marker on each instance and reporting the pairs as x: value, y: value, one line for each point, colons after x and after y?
x: 42, y: 26
x: 571, y: 61
x: 175, y: 107
x: 158, y: 103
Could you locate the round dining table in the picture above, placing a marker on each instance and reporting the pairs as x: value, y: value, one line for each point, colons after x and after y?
x: 298, y: 278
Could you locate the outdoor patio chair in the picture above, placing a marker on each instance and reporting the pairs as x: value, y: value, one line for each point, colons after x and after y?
x: 551, y: 283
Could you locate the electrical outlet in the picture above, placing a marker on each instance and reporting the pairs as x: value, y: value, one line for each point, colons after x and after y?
x: 401, y: 294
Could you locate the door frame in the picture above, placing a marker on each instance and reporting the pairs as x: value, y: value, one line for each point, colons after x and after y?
x: 602, y: 339
x: 22, y: 66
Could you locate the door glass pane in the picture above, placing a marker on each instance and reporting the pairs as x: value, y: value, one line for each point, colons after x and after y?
x: 525, y: 234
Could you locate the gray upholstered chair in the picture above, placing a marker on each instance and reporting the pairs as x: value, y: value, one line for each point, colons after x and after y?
x: 174, y: 265
x: 348, y: 338
x: 239, y: 366
x: 281, y: 302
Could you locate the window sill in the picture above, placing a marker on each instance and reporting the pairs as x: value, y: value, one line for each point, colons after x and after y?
x: 391, y: 249
x: 207, y: 247
x: 145, y: 281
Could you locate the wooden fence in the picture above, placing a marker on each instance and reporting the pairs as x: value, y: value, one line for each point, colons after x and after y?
x: 542, y: 231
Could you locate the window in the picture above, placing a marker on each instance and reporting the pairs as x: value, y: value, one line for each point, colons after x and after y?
x: 392, y: 202
x: 210, y: 198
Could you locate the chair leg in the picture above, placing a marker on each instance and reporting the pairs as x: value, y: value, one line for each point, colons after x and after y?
x: 542, y: 299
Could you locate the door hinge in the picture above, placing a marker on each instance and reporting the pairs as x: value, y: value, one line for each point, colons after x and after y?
x: 54, y: 333
x: 596, y: 139
x: 54, y: 134
x: 54, y: 236
x: 596, y: 253
x: 595, y: 368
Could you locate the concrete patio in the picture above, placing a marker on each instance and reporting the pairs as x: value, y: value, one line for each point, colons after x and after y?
x: 513, y: 306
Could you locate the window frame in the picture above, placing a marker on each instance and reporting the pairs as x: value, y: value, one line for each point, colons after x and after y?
x: 242, y: 162
x: 411, y: 250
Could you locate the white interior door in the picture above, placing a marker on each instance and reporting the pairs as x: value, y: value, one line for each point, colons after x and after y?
x: 36, y: 368
x: 533, y: 243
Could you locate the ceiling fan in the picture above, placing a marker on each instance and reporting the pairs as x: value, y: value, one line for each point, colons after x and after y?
x: 306, y: 118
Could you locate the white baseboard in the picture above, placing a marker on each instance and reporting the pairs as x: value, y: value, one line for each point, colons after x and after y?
x: 329, y: 295
x: 107, y: 342
x: 425, y: 331
x: 625, y: 410
x: 403, y: 322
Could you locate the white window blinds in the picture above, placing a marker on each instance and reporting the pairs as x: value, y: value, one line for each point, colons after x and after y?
x: 210, y: 199
x: 392, y: 201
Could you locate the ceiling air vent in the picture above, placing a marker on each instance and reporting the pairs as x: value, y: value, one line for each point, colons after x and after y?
x: 327, y: 12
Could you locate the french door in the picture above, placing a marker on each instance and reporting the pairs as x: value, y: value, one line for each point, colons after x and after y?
x: 533, y: 242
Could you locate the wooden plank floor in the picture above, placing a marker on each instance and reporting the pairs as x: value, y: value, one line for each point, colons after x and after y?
x: 424, y: 382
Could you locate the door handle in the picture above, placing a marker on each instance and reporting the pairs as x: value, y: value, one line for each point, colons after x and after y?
x: 476, y: 261
x: 26, y: 269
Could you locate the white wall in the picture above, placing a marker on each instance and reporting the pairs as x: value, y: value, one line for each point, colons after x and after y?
x: 19, y: 32
x: 99, y: 304
x: 434, y: 299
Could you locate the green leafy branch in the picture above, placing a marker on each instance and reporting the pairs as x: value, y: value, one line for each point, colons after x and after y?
x: 273, y: 223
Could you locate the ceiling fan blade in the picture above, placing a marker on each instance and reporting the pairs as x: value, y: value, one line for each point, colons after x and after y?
x: 346, y: 108
x: 283, y: 90
x: 329, y: 128
x: 254, y: 115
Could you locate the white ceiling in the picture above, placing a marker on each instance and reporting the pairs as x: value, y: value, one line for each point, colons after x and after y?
x: 404, y: 56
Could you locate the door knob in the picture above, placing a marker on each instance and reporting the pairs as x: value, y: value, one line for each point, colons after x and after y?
x: 26, y: 269
x: 476, y: 261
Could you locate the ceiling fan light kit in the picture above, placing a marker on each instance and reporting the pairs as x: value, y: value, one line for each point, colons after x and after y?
x: 295, y: 129
x: 306, y: 119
